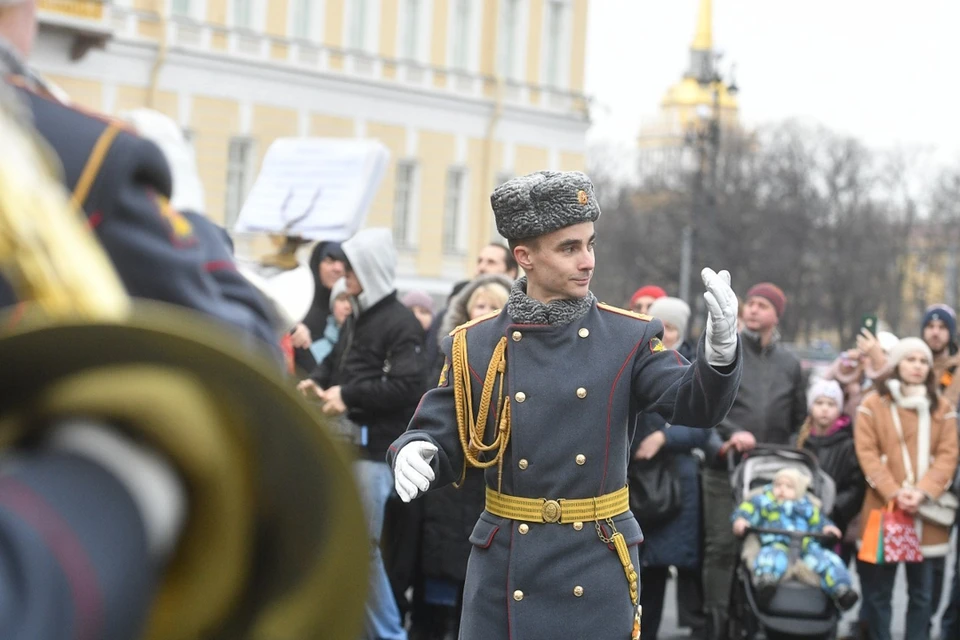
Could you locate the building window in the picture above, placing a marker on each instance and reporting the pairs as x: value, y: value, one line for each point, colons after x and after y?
x: 357, y: 30
x: 556, y: 10
x: 302, y: 19
x: 243, y: 14
x: 461, y: 35
x: 180, y: 8
x: 403, y: 203
x: 411, y: 29
x: 239, y: 170
x: 509, y: 38
x: 453, y: 211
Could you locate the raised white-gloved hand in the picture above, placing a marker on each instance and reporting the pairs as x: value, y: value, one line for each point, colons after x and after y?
x: 412, y: 473
x: 721, y: 318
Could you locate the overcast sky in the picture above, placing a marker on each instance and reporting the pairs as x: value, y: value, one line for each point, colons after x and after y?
x: 886, y: 71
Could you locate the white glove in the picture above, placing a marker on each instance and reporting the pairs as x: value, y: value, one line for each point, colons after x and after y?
x: 721, y: 318
x: 411, y: 469
x: 149, y: 478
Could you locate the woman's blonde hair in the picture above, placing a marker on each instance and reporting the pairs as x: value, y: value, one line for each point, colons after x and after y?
x: 495, y: 293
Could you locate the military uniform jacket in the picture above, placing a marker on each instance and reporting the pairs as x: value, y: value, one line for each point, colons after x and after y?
x: 574, y: 393
x: 158, y: 252
x: 74, y: 563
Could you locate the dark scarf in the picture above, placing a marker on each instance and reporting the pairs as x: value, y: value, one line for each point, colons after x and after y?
x: 525, y: 310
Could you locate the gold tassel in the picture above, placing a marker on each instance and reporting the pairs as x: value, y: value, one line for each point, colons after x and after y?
x: 471, y: 428
x: 633, y: 579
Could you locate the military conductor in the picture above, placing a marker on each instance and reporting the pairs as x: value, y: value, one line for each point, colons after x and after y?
x: 543, y: 394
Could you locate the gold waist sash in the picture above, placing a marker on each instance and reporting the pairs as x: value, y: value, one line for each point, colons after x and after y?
x: 562, y: 511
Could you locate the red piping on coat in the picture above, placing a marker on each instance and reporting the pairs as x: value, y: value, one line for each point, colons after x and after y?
x: 493, y: 533
x: 68, y: 551
x: 507, y: 594
x: 219, y: 265
x: 613, y: 390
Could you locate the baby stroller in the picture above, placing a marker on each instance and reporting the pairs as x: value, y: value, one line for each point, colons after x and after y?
x: 799, y: 608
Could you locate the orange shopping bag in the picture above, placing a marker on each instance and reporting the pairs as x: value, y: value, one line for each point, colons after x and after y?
x: 871, y: 545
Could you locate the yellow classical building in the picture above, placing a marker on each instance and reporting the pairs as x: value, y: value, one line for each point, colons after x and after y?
x: 667, y: 140
x: 464, y: 93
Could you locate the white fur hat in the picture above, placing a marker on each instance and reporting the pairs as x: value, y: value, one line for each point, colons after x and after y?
x: 909, y: 345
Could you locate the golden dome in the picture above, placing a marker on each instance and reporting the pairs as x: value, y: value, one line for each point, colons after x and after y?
x: 690, y: 93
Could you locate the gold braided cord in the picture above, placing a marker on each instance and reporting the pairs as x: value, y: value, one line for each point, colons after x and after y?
x: 471, y: 429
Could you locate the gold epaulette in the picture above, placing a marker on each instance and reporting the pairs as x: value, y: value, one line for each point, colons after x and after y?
x: 624, y: 312
x: 467, y: 325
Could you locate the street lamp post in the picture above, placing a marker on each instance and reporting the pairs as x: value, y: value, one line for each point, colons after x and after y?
x: 704, y: 137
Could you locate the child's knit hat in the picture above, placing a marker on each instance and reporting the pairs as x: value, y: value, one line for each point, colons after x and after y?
x: 800, y: 480
x: 825, y: 389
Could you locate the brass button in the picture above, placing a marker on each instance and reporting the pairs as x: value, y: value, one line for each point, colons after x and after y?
x: 583, y: 333
x: 518, y: 595
x: 581, y: 459
x: 521, y: 396
x: 578, y: 591
x: 523, y: 463
x: 581, y: 393
x: 577, y: 526
x: 524, y: 528
x: 517, y: 336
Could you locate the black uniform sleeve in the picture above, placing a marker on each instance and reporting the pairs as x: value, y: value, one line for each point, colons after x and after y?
x: 234, y: 288
x: 73, y: 552
x: 696, y: 395
x: 156, y: 249
x: 436, y: 422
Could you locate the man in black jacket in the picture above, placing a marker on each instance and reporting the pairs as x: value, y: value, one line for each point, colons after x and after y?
x: 769, y: 408
x: 374, y: 376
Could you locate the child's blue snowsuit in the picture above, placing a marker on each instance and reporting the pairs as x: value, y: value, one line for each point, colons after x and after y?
x: 764, y: 511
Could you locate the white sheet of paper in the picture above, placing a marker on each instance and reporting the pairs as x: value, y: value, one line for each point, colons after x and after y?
x: 316, y: 188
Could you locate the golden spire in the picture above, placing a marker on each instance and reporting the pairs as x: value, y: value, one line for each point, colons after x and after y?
x: 703, y: 39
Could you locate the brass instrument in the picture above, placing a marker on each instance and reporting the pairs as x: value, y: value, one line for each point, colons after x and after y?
x: 275, y: 545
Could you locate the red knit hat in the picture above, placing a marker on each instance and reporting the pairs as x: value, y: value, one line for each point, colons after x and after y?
x: 649, y: 290
x: 771, y: 293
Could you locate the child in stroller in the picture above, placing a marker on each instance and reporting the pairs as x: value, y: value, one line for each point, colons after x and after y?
x: 796, y: 604
x: 784, y: 505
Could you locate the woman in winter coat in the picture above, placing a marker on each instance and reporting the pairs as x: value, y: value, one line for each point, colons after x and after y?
x: 674, y: 541
x: 450, y: 513
x: 327, y: 266
x: 905, y: 405
x: 828, y: 435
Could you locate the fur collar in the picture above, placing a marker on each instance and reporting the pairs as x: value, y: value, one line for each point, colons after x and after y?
x: 525, y: 310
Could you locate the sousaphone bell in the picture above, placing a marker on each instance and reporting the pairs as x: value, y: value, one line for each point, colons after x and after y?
x: 275, y: 545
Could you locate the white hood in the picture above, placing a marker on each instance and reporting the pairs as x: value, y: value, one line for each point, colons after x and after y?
x: 373, y: 258
x: 164, y: 132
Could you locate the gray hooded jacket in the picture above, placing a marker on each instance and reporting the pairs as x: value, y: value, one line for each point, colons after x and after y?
x: 377, y: 361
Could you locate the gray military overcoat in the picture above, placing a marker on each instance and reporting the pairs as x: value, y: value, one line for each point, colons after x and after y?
x: 574, y: 392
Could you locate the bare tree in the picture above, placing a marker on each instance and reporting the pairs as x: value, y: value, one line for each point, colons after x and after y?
x: 817, y: 213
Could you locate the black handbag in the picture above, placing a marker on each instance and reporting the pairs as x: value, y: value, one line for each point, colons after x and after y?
x: 654, y: 490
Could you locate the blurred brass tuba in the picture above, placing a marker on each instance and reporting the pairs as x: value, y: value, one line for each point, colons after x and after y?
x: 275, y: 545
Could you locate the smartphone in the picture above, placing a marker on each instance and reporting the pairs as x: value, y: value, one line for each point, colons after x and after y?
x: 869, y: 322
